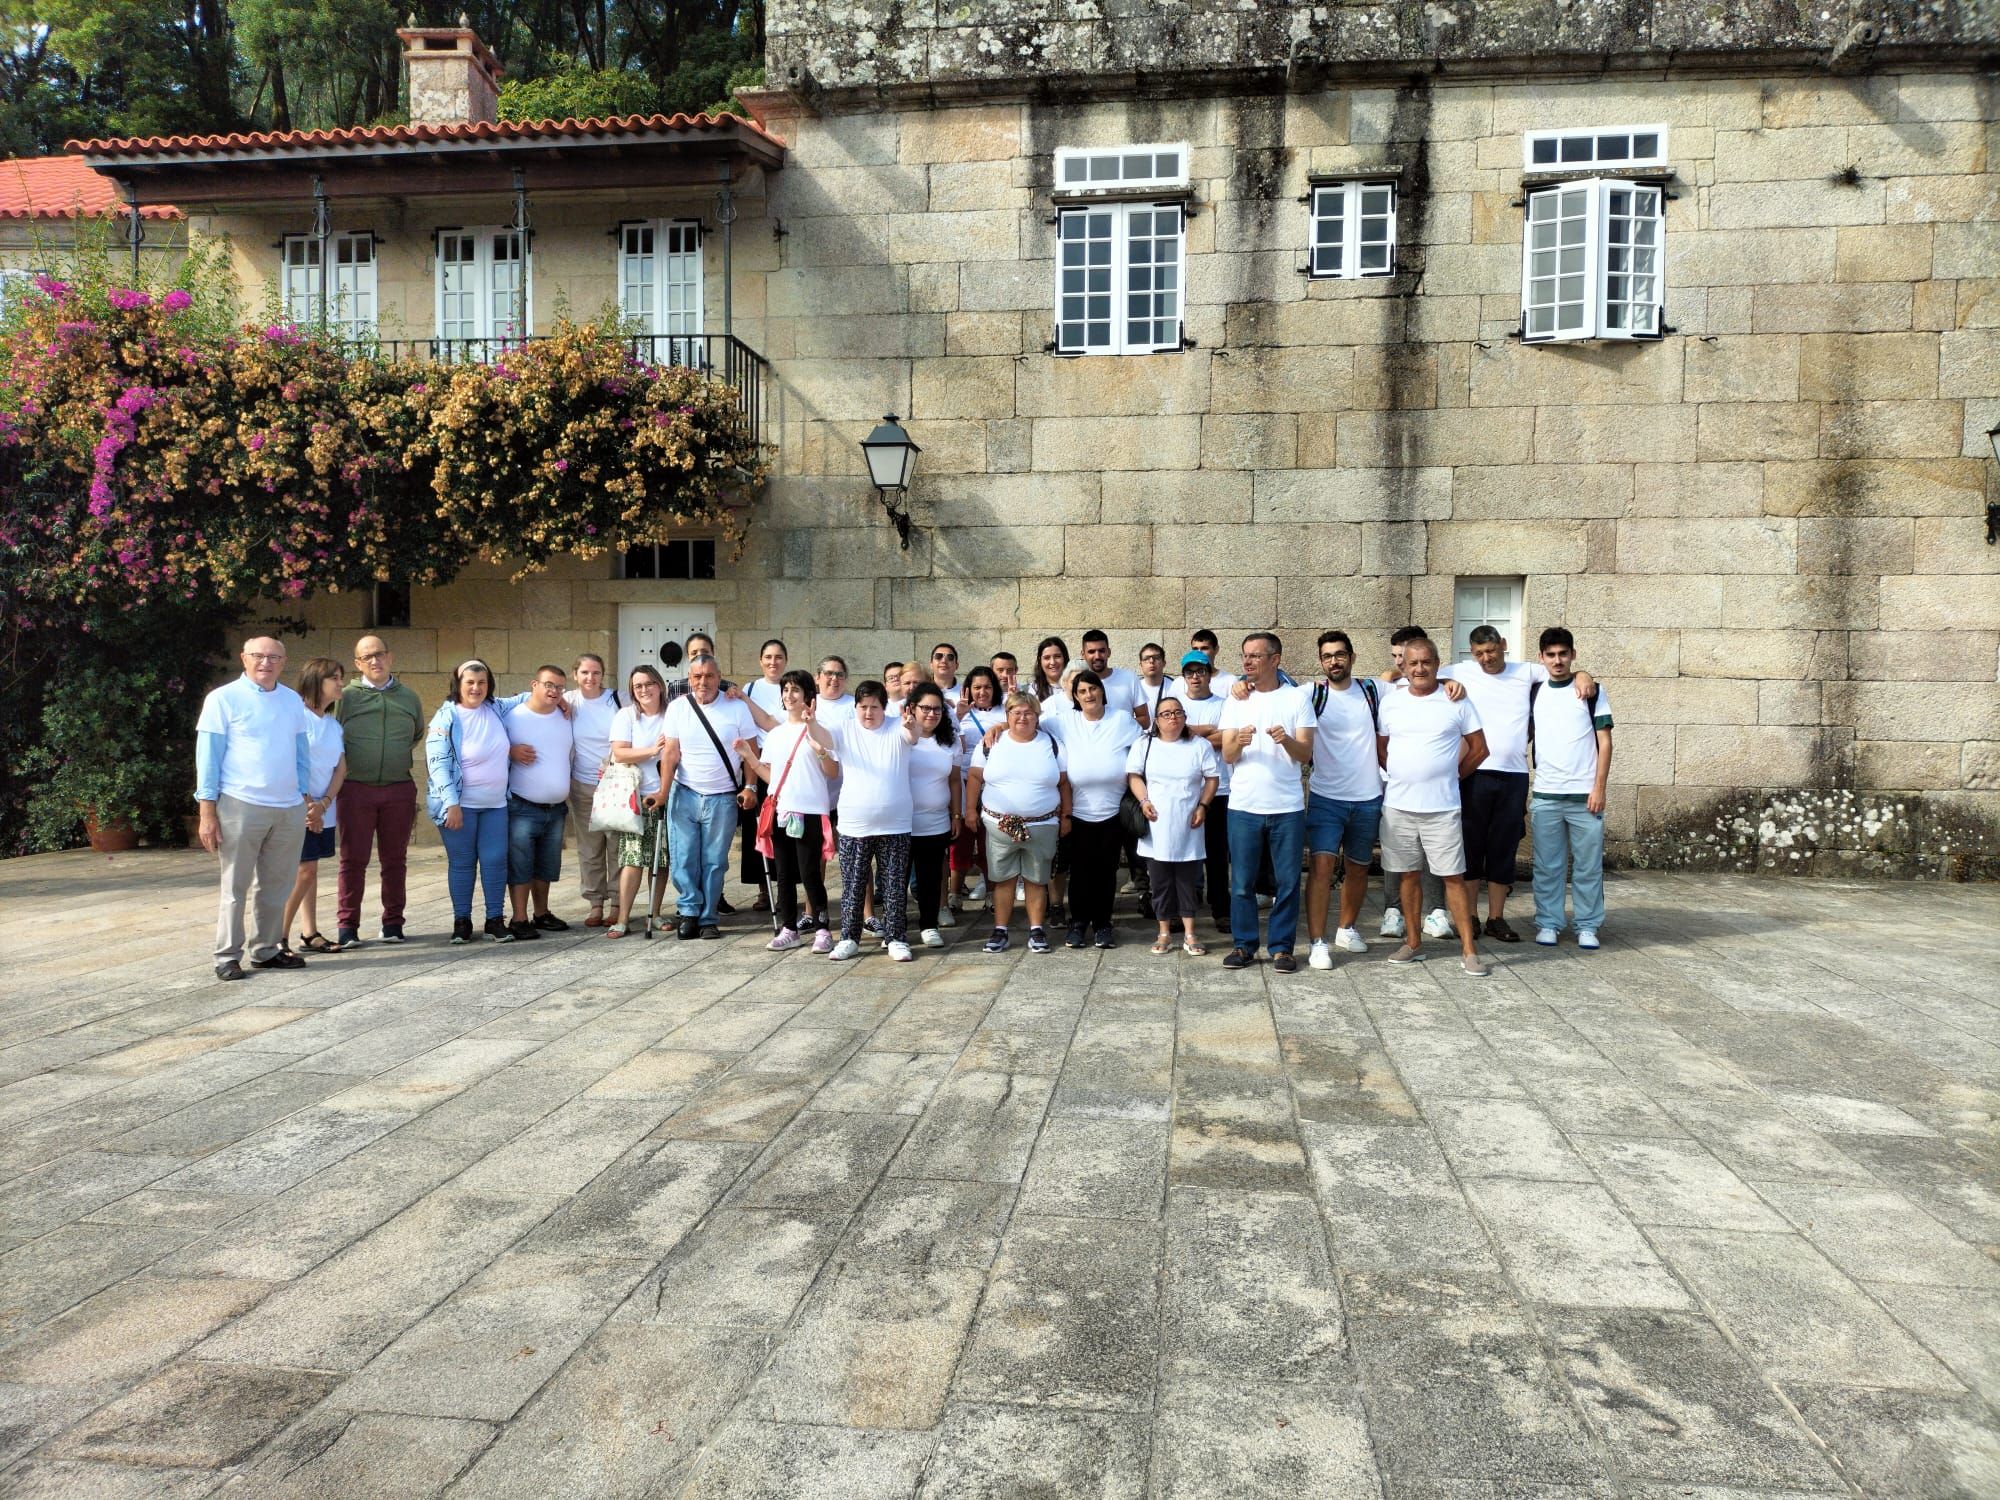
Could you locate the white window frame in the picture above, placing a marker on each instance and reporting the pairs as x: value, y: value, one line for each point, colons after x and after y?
x: 485, y: 326
x: 1072, y: 336
x: 657, y: 552
x: 672, y: 303
x: 1339, y: 229
x: 1495, y: 601
x: 1098, y: 169
x: 1582, y: 149
x: 352, y: 298
x: 1602, y: 264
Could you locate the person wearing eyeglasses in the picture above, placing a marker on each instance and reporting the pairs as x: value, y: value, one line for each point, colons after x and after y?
x: 382, y: 722
x: 834, y: 705
x: 253, y: 764
x: 1173, y: 774
x: 934, y: 803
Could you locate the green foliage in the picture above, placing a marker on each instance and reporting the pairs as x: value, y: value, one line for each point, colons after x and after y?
x: 580, y: 93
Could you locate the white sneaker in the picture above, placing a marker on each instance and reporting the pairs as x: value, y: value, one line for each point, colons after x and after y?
x: 932, y: 938
x: 1438, y: 924
x: 1265, y: 903
x: 1349, y: 941
x: 946, y: 919
x: 1392, y: 921
x: 1320, y: 957
x: 1586, y: 938
x: 1020, y: 891
x: 900, y: 952
x: 1546, y: 936
x: 976, y: 891
x: 846, y: 948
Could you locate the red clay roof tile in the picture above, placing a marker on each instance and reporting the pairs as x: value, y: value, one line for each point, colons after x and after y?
x: 62, y: 187
x: 305, y: 140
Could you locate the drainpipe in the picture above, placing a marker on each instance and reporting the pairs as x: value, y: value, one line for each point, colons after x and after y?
x: 323, y: 233
x: 135, y: 227
x: 521, y: 241
x: 725, y: 215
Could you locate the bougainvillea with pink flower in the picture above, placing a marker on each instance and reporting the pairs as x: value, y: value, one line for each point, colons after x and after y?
x: 154, y: 466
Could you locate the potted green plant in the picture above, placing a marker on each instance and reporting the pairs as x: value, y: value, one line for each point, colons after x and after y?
x: 111, y: 764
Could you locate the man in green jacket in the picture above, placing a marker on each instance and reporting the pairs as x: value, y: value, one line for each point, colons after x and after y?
x: 383, y: 722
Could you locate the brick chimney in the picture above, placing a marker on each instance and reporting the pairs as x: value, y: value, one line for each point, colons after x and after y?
x: 453, y: 77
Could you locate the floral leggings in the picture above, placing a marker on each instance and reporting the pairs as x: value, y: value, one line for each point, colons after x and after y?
x: 887, y: 857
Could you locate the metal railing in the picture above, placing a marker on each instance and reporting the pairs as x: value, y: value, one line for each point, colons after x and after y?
x: 721, y: 356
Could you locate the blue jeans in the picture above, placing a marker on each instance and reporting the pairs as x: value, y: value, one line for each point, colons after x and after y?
x: 1569, y: 843
x: 1249, y: 835
x: 701, y: 824
x: 534, y: 841
x: 478, y: 844
x: 1344, y: 828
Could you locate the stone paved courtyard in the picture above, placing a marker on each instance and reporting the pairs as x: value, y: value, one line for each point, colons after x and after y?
x: 1714, y: 1211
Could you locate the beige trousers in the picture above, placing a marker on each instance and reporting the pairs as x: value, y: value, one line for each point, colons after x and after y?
x: 260, y: 862
x: 596, y: 853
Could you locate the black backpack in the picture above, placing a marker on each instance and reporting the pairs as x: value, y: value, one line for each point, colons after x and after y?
x: 1321, y: 692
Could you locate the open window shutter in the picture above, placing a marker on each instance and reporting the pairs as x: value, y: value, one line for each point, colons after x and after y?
x: 1631, y: 233
x: 1560, y: 294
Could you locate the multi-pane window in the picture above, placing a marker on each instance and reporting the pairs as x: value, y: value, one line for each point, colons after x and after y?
x: 1579, y: 150
x: 1353, y: 229
x: 1590, y: 263
x: 659, y: 285
x: 692, y: 558
x: 1487, y: 601
x: 1082, y: 170
x: 350, y: 291
x: 1118, y: 286
x: 14, y: 283
x: 485, y: 291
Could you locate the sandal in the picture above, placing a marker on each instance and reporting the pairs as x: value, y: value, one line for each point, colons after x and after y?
x: 1163, y: 947
x: 316, y: 942
x: 1194, y: 949
x: 615, y: 930
x: 596, y: 918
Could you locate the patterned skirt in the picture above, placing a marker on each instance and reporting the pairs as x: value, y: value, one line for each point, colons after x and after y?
x: 646, y: 849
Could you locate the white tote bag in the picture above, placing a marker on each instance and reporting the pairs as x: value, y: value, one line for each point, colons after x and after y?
x: 614, y: 806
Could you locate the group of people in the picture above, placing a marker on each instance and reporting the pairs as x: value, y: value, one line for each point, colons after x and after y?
x: 1251, y: 794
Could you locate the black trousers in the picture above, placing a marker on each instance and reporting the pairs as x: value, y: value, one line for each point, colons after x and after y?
x: 1215, y: 829
x: 1093, y: 870
x: 800, y: 860
x: 750, y: 863
x: 927, y: 853
x: 1494, y: 812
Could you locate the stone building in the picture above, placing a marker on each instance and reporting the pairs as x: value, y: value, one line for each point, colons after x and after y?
x: 1680, y: 329
x: 54, y: 206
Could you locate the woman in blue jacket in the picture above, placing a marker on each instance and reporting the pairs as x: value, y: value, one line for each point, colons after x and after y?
x: 466, y: 752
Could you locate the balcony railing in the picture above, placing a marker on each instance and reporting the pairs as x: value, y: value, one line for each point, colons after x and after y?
x: 721, y: 356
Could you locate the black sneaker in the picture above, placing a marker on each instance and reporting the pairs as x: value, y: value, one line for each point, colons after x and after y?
x: 711, y: 932
x: 724, y: 909
x: 1038, y: 940
x: 348, y: 937
x: 1058, y: 913
x: 548, y: 921
x: 1284, y: 963
x: 279, y: 960
x: 1076, y: 938
x: 496, y: 928
x: 1238, y: 958
x: 461, y: 930
x: 523, y: 932
x: 1000, y: 941
x: 1106, y: 938
x: 392, y: 932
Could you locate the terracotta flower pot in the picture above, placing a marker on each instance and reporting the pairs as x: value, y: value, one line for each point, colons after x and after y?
x: 114, y: 837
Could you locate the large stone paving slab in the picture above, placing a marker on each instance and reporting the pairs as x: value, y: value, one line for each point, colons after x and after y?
x: 1702, y: 1216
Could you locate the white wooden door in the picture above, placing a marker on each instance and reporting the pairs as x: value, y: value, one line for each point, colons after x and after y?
x: 644, y: 628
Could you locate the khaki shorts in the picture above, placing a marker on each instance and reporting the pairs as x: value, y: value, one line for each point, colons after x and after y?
x: 1008, y: 860
x: 1433, y: 841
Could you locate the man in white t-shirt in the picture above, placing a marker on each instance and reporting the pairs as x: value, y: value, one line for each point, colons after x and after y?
x: 252, y: 765
x: 944, y: 672
x: 538, y: 787
x: 1265, y: 736
x: 1570, y: 737
x: 592, y: 707
x: 1151, y: 684
x: 700, y: 758
x: 1121, y: 687
x: 1344, y: 798
x: 1219, y: 681
x: 1427, y: 744
x: 1495, y: 796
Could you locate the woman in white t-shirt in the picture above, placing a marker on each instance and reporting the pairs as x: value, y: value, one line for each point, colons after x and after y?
x: 1018, y: 788
x: 1096, y: 742
x: 934, y: 801
x: 637, y: 732
x: 874, y: 820
x: 797, y: 763
x: 978, y: 711
x: 1174, y: 774
x: 466, y: 754
x: 319, y: 685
